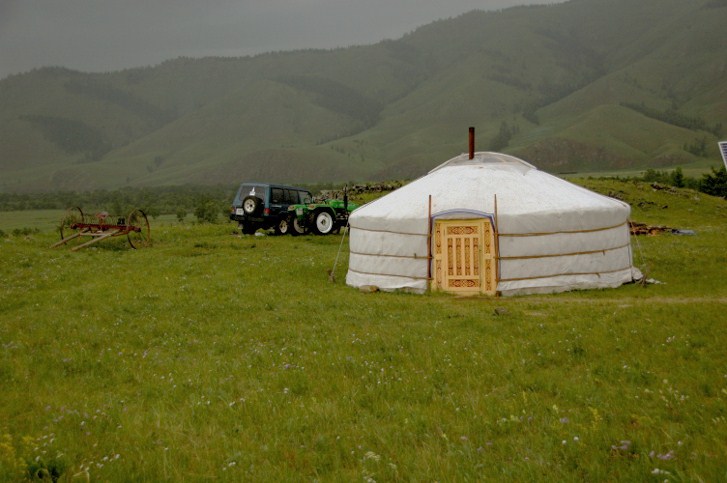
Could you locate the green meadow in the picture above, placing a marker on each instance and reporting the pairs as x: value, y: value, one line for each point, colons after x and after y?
x: 216, y: 356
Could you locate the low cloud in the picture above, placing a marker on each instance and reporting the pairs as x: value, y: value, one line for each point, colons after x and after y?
x: 105, y: 35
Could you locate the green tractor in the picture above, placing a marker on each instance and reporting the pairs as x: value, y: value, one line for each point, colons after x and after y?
x: 321, y: 218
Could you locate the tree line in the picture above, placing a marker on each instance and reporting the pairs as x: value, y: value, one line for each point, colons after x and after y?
x: 208, y: 203
x: 713, y: 183
x: 671, y: 116
x: 164, y: 200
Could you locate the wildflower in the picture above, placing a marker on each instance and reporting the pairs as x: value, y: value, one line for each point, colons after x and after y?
x: 623, y: 446
x: 370, y: 455
x: 564, y: 420
x: 666, y: 457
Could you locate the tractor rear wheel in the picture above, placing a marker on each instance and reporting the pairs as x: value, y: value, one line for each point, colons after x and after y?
x: 323, y: 222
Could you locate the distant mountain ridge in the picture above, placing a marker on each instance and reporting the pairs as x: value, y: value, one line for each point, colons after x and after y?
x: 583, y: 85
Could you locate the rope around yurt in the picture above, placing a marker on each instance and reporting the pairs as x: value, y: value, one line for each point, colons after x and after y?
x: 642, y: 259
x: 332, y: 273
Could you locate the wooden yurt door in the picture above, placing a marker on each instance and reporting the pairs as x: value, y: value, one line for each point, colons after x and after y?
x: 465, y: 258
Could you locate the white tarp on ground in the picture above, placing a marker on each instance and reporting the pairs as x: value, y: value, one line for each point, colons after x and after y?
x: 553, y: 235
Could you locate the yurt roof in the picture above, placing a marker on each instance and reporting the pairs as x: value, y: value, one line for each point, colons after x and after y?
x: 523, y: 198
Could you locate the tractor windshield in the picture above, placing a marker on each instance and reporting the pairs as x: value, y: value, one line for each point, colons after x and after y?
x: 305, y: 197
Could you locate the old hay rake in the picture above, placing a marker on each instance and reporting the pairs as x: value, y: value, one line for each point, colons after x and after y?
x: 101, y: 226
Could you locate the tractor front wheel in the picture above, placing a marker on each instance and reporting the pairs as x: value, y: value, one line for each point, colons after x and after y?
x: 296, y: 227
x: 283, y: 226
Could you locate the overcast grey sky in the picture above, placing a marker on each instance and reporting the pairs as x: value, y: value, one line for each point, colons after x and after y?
x: 105, y: 35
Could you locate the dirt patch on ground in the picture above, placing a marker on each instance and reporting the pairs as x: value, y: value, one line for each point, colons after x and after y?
x: 637, y: 228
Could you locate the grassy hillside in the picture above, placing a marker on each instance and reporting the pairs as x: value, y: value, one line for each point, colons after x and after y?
x: 213, y: 356
x: 580, y: 86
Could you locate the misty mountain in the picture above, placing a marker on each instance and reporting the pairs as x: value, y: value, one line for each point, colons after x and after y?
x: 581, y: 86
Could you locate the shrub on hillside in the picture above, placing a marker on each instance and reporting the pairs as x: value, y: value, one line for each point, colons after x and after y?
x: 674, y: 178
x: 206, y: 211
x: 181, y: 214
x: 714, y: 184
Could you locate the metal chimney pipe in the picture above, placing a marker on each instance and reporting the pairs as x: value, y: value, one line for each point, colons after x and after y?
x: 472, y: 143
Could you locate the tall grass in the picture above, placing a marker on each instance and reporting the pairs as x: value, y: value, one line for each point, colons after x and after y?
x: 225, y: 357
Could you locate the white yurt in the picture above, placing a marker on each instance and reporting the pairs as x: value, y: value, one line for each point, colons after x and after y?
x: 489, y: 223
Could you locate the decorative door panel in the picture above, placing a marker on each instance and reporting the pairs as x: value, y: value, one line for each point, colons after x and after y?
x: 464, y: 256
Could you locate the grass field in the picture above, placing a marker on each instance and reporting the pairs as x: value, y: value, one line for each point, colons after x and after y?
x: 43, y: 220
x: 213, y: 356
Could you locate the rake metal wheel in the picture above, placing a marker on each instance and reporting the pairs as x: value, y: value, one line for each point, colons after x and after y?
x: 138, y: 239
x: 72, y: 216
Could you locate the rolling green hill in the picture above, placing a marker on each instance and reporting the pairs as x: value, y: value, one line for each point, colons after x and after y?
x: 581, y: 86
